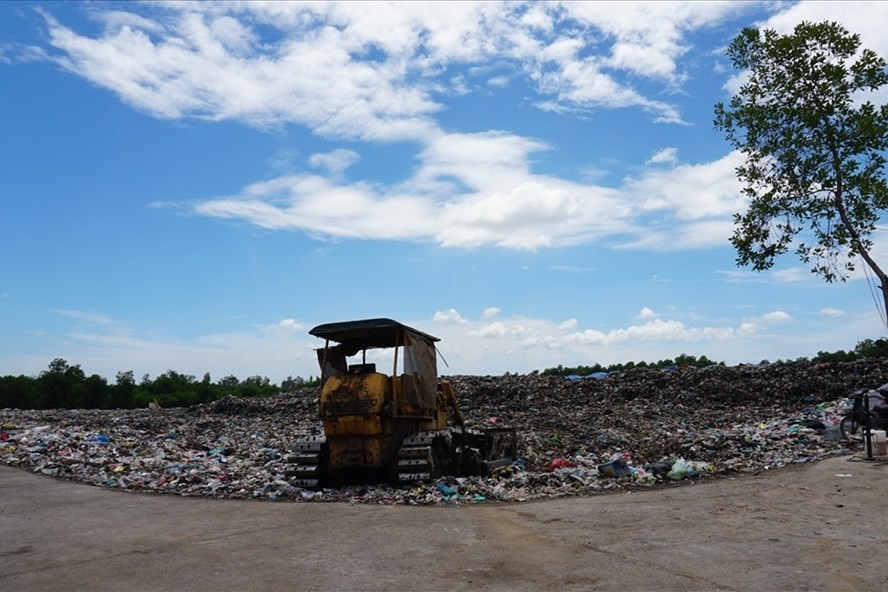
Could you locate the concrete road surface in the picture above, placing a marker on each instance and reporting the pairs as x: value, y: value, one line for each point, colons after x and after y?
x: 820, y: 526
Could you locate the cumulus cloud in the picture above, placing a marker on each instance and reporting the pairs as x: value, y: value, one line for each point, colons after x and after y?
x: 568, y: 324
x: 491, y: 312
x: 494, y: 329
x: 479, y: 345
x: 655, y: 330
x: 692, y: 192
x: 448, y: 316
x: 647, y: 313
x: 776, y: 315
x: 748, y: 328
x: 534, y: 332
x: 469, y: 190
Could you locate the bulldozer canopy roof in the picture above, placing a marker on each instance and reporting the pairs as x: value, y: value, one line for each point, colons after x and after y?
x: 368, y: 333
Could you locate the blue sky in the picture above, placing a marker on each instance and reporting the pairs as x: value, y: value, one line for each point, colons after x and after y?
x: 193, y: 186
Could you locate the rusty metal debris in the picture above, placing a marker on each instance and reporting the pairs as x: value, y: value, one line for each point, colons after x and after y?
x: 654, y: 426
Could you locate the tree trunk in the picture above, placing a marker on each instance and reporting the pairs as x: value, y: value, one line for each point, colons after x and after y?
x: 855, y: 238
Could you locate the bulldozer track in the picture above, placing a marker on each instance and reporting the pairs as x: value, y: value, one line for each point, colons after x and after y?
x: 419, y: 456
x: 305, y: 467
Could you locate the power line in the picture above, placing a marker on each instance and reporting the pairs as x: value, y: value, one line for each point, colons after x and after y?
x: 872, y: 287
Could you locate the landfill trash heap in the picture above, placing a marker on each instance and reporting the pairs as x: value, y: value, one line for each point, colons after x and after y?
x: 633, y: 429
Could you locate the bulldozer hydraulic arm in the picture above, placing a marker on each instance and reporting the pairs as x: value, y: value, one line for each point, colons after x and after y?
x: 451, y: 403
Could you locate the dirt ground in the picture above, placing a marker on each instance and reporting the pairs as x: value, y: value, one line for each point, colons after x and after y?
x: 819, y: 526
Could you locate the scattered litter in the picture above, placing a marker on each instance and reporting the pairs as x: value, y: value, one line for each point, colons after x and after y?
x: 615, y: 468
x: 635, y: 428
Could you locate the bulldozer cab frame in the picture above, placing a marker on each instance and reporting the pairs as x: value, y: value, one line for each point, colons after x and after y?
x: 414, y: 352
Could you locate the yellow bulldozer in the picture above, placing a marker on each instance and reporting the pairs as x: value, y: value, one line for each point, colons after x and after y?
x: 401, y: 427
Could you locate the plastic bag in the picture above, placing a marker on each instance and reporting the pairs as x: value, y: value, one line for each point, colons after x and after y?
x: 679, y: 470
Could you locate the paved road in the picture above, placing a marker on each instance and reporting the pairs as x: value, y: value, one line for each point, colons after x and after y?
x: 817, y: 527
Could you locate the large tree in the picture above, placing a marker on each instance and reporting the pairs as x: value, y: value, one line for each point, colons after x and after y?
x: 814, y: 172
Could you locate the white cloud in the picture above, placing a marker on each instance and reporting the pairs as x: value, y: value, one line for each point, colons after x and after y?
x: 487, y: 160
x: 569, y: 324
x: 114, y: 20
x: 648, y: 42
x: 369, y: 70
x: 735, y: 82
x: 289, y: 324
x: 209, y: 66
x: 322, y: 208
x: 537, y: 17
x: 334, y: 162
x: 471, y: 346
x: 748, y: 328
x: 692, y: 192
x: 864, y: 18
x: 448, y: 316
x: 831, y: 312
x: 469, y: 190
x: 582, y: 83
x: 249, y: 352
x: 655, y: 330
x: 373, y: 72
x: 535, y: 332
x: 649, y: 36
x: 494, y: 329
x: 776, y: 315
x: 647, y: 313
x: 459, y: 86
x: 491, y: 312
x: 665, y: 155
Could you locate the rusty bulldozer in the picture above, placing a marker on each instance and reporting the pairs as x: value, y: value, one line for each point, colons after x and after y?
x: 403, y: 427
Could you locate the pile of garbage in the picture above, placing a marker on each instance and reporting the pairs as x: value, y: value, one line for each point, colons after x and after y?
x: 579, y: 436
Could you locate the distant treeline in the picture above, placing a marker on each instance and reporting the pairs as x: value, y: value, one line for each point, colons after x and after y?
x: 66, y: 386
x: 867, y: 348
x: 682, y: 360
